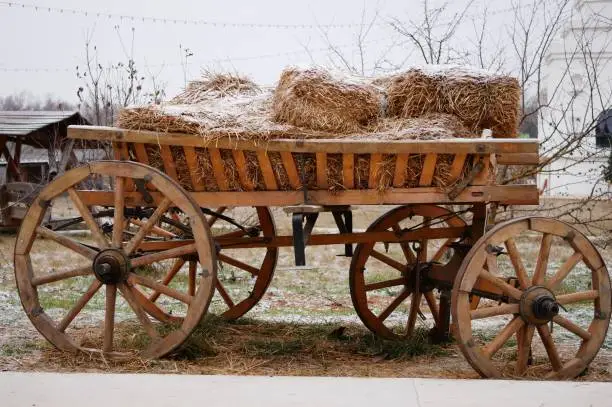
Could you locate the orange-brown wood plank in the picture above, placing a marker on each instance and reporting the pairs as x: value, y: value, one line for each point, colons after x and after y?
x: 266, y: 170
x: 141, y: 153
x: 457, y: 166
x: 428, y: 170
x: 348, y: 170
x: 120, y: 152
x: 399, y: 177
x: 291, y: 169
x: 322, y: 170
x: 218, y: 169
x: 375, y: 161
x: 192, y: 164
x: 169, y: 165
x: 241, y: 166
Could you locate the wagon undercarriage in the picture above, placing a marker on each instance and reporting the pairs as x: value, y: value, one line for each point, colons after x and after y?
x: 428, y: 260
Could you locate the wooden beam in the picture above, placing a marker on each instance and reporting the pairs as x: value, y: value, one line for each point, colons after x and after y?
x: 507, y: 194
x: 192, y: 164
x: 348, y: 171
x: 322, y: 170
x: 329, y: 146
x: 218, y: 169
x: 169, y: 165
x: 291, y: 169
x: 266, y: 170
x: 375, y: 161
x: 429, y: 167
x: 399, y: 178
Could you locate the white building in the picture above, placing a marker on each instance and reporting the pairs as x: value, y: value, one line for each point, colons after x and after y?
x: 578, y: 88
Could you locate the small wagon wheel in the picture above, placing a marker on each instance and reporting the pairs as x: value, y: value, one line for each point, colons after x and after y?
x: 254, y: 266
x: 107, y: 324
x: 243, y: 274
x: 554, y: 300
x: 383, y: 275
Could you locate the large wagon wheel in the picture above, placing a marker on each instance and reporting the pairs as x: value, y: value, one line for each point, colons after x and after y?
x: 118, y: 265
x: 383, y: 275
x: 563, y: 283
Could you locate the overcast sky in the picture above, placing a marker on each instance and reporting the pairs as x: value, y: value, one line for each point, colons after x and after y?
x: 39, y: 50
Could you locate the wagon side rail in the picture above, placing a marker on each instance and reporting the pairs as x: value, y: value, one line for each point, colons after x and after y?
x: 471, y: 166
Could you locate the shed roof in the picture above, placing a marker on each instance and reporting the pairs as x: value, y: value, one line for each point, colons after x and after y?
x: 37, y: 127
x: 24, y: 122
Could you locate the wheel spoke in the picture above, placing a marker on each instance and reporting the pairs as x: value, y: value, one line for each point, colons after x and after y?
x: 119, y: 206
x: 564, y: 270
x: 501, y: 284
x: 388, y: 260
x: 415, y: 306
x: 67, y: 242
x: 156, y: 230
x: 164, y: 289
x: 168, y: 277
x: 542, y: 263
x: 572, y: 327
x: 510, y: 329
x: 80, y: 304
x: 404, y: 245
x: 549, y: 345
x: 517, y: 263
x: 524, y: 348
x: 433, y: 306
x: 236, y: 263
x: 146, y: 323
x: 224, y: 294
x: 192, y: 277
x: 213, y: 219
x: 61, y: 275
x: 505, y: 309
x: 164, y: 255
x: 153, y: 309
x: 394, y: 304
x: 109, y: 317
x: 443, y: 249
x: 385, y: 284
x: 91, y: 223
x: 577, y: 297
x: 146, y: 228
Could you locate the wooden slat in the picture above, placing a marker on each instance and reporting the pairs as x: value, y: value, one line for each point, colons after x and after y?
x: 241, y: 166
x: 330, y: 146
x: 348, y: 170
x: 192, y: 163
x: 457, y: 166
x: 266, y: 170
x: 375, y: 160
x: 169, y: 165
x: 428, y: 170
x: 399, y: 178
x: 120, y: 152
x: 141, y: 153
x: 322, y: 170
x: 291, y: 169
x: 218, y: 168
x: 507, y: 194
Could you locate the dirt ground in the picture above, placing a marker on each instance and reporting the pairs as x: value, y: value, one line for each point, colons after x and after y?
x: 304, y: 325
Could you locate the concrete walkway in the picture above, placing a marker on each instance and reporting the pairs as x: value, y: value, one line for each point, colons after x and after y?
x: 92, y: 390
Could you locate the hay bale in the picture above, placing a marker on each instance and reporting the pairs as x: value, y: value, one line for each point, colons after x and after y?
x: 431, y: 126
x: 215, y: 85
x: 153, y: 119
x: 312, y: 98
x: 481, y: 100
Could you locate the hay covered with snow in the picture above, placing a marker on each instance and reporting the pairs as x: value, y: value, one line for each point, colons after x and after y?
x: 481, y: 99
x: 315, y: 99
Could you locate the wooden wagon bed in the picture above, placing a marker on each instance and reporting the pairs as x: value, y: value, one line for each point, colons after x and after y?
x: 472, y: 169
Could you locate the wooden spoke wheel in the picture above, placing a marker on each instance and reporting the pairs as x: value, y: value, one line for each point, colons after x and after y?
x: 532, y: 298
x: 384, y: 277
x: 243, y: 274
x: 96, y: 297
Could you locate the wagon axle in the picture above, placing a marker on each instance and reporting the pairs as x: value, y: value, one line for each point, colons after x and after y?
x: 111, y: 266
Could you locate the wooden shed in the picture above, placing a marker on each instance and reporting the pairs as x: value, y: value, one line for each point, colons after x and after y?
x: 33, y: 149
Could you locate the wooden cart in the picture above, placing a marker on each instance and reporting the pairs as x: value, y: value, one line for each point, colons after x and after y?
x: 451, y: 262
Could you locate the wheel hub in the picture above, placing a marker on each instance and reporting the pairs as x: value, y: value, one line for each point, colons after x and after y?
x: 538, y: 305
x: 111, y: 266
